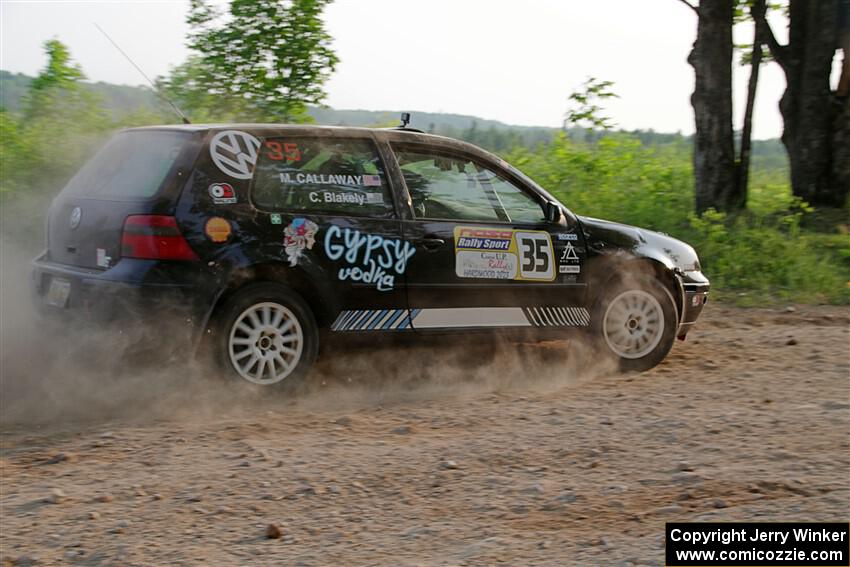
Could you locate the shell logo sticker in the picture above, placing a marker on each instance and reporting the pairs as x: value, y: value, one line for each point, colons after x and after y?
x: 218, y: 229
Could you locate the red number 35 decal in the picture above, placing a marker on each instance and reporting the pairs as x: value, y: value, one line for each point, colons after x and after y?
x: 278, y: 152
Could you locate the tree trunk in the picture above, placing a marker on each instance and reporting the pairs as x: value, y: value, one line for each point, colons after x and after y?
x: 815, y: 120
x: 714, y: 146
x: 841, y: 156
x: 743, y: 166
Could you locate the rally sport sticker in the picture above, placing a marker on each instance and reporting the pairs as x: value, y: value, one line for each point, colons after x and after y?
x: 503, y: 254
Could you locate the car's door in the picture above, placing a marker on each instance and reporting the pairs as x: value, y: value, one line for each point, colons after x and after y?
x: 329, y: 208
x: 485, y: 254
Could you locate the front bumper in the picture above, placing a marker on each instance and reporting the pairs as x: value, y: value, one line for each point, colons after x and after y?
x: 693, y: 290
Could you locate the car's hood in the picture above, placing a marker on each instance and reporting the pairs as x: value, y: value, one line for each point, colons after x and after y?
x: 604, y: 235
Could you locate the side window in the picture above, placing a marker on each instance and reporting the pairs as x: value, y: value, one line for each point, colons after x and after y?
x: 321, y: 175
x: 519, y: 205
x: 454, y: 187
x: 444, y: 187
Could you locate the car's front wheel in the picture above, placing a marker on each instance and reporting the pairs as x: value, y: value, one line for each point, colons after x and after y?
x: 635, y: 324
x: 267, y: 335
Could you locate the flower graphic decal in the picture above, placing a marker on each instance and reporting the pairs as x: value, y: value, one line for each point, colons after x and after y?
x: 300, y: 234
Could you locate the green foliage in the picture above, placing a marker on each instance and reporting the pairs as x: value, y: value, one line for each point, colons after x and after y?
x: 263, y: 60
x: 615, y: 178
x: 57, y: 94
x: 13, y: 146
x: 584, y: 111
x: 60, y: 76
x: 772, y: 252
x: 763, y: 259
x: 58, y: 121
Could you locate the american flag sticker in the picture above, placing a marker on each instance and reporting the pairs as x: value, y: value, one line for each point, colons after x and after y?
x: 372, y: 180
x: 374, y: 198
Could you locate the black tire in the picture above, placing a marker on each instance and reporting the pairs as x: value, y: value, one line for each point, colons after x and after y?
x: 615, y: 341
x: 270, y: 341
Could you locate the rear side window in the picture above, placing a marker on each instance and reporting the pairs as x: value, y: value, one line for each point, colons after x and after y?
x: 132, y: 165
x: 321, y: 175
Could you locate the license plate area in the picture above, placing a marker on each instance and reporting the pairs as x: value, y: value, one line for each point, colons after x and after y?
x: 58, y: 293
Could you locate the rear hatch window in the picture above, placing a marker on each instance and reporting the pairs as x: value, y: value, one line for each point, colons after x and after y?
x: 86, y: 219
x: 132, y: 165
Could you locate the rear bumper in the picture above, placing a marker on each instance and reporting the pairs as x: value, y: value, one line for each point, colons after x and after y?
x: 132, y: 293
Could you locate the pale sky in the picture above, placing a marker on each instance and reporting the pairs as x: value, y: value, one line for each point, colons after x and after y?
x: 516, y: 62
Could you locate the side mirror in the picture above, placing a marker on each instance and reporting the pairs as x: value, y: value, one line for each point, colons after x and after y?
x: 552, y: 211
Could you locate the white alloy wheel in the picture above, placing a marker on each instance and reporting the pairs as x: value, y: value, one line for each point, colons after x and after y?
x: 266, y: 342
x: 633, y: 324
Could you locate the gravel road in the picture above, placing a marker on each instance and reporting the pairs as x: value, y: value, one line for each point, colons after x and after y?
x: 432, y: 456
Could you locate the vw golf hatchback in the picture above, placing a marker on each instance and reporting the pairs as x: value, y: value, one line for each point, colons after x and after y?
x: 264, y: 241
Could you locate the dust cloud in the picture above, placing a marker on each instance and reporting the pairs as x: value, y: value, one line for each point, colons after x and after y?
x: 56, y: 372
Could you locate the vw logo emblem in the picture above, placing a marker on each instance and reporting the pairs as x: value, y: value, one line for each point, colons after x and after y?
x: 76, y: 216
x: 235, y: 153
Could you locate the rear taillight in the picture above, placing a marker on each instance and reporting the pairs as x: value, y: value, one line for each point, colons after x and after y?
x: 154, y: 237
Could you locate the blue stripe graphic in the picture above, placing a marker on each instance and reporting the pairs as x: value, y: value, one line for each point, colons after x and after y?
x: 352, y: 322
x: 367, y: 324
x: 404, y: 319
x: 405, y: 323
x: 374, y: 322
x: 348, y: 315
x: 394, y: 318
x: 344, y: 319
x: 358, y: 326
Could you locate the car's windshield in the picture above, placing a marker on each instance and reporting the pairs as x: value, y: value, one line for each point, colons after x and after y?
x: 132, y: 165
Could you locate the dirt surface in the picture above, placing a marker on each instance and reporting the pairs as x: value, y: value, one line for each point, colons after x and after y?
x: 533, y: 457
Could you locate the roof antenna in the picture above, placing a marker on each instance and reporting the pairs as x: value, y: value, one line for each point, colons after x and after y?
x: 153, y: 86
x: 405, y: 119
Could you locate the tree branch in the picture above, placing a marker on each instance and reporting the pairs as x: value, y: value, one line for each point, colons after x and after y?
x: 776, y: 48
x: 691, y: 6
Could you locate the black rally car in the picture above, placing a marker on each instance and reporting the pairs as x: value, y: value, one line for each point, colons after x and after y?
x: 262, y: 240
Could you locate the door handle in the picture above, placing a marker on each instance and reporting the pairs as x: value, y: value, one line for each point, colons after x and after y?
x: 431, y: 242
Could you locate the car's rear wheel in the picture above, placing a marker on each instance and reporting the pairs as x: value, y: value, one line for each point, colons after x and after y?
x: 635, y: 324
x: 267, y: 336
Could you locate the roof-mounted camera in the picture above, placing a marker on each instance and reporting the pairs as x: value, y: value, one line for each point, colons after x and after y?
x: 405, y: 120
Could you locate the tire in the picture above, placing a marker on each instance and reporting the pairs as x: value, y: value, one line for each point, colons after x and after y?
x: 635, y: 324
x: 266, y: 335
